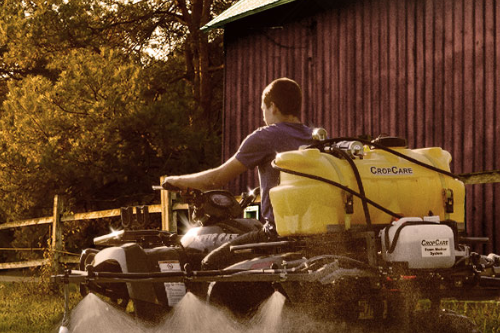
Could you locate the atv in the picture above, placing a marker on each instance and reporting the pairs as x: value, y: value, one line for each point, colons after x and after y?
x: 364, y: 230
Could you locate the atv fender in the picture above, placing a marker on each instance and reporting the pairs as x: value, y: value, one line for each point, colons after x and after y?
x: 132, y: 259
x: 116, y: 254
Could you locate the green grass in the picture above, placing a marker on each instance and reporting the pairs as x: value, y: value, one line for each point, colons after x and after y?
x: 32, y: 307
x: 486, y: 314
x: 36, y: 308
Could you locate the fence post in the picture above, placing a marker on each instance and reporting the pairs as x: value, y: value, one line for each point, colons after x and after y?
x: 57, y: 231
x: 167, y: 216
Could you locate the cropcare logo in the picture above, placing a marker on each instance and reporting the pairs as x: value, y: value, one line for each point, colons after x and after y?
x: 435, y: 242
x: 440, y: 247
x: 390, y: 171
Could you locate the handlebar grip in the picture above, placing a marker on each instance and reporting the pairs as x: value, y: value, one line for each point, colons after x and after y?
x: 166, y: 186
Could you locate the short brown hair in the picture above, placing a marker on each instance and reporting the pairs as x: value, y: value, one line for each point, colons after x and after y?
x: 285, y: 94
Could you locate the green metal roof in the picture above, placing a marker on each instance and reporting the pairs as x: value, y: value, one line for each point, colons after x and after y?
x: 241, y: 9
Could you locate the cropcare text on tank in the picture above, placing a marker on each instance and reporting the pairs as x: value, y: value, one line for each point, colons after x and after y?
x: 436, y: 242
x: 389, y: 171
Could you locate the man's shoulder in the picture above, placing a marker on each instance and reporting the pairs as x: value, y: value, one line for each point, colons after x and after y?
x: 278, y: 132
x: 264, y: 131
x: 279, y: 128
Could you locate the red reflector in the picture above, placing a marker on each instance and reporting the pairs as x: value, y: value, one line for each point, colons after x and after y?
x: 403, y: 277
x: 261, y: 265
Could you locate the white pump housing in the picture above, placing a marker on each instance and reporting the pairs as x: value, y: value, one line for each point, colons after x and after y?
x: 422, y: 243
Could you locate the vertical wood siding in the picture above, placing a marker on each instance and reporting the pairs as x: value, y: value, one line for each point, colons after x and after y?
x: 426, y: 70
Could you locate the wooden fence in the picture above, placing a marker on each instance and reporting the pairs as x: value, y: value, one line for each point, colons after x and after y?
x: 167, y: 208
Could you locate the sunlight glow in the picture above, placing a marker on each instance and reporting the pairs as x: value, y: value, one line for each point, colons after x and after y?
x: 114, y: 233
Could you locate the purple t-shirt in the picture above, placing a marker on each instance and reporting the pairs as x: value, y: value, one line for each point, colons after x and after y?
x: 260, y: 148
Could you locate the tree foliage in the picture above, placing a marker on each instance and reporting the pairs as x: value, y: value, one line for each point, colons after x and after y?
x: 101, y: 98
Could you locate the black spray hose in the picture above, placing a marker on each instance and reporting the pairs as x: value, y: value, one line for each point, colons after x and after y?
x: 342, y: 259
x: 389, y: 150
x: 360, y: 185
x: 345, y: 188
x: 221, y: 256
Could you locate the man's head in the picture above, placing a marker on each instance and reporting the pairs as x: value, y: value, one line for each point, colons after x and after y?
x: 285, y: 95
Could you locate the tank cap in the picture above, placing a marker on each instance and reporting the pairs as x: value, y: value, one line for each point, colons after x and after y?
x: 390, y: 141
x: 319, y: 134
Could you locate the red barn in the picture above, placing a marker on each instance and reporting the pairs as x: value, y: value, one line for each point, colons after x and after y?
x: 425, y: 70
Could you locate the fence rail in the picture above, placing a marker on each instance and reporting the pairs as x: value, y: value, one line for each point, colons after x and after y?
x: 166, y: 208
x: 55, y: 221
x: 81, y: 216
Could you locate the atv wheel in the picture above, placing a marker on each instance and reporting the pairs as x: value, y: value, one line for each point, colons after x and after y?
x: 148, y: 312
x: 86, y: 258
x: 121, y: 303
x: 242, y: 298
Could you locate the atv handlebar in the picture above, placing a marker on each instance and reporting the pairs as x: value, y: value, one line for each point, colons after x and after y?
x: 167, y: 186
x: 170, y: 187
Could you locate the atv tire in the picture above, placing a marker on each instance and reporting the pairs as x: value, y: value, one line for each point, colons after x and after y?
x: 86, y: 258
x: 148, y: 312
x: 241, y: 298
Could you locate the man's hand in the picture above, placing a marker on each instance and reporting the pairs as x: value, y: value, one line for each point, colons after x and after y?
x: 171, y: 184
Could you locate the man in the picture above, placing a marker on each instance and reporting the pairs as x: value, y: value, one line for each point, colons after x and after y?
x: 281, y: 107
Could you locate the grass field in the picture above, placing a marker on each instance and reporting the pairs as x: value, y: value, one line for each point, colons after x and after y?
x: 35, y: 308
x: 32, y: 308
x: 485, y: 314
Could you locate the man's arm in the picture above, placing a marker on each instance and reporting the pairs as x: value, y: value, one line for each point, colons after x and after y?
x: 209, y: 179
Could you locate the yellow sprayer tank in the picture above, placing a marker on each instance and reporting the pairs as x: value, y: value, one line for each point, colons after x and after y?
x: 304, y: 206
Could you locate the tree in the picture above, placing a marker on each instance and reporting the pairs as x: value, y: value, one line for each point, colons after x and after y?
x: 34, y: 32
x: 89, y: 112
x: 101, y: 98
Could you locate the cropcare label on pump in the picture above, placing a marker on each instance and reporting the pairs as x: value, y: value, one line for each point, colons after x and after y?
x: 435, y: 247
x: 175, y: 290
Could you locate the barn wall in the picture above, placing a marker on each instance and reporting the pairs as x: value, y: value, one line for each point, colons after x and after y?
x: 428, y: 71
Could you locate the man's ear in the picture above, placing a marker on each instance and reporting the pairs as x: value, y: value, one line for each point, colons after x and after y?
x: 274, y: 109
